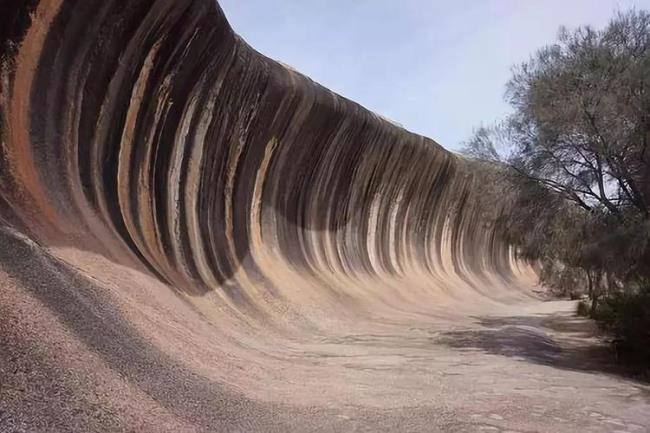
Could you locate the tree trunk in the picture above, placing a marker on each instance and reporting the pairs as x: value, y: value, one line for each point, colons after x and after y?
x: 590, y: 290
x: 594, y: 285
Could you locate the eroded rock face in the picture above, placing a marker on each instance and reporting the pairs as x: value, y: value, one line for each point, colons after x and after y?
x: 152, y: 124
x: 150, y: 151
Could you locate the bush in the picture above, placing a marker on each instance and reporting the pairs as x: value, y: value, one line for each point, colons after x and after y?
x: 608, y: 312
x: 627, y: 315
x: 574, y: 295
x: 583, y: 309
x: 563, y: 280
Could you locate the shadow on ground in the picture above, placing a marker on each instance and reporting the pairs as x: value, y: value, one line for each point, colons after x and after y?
x: 561, y: 341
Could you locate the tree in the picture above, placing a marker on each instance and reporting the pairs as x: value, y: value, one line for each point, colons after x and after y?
x: 574, y: 154
x: 581, y: 124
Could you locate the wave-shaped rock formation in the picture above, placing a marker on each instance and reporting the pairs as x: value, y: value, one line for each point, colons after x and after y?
x: 196, y: 237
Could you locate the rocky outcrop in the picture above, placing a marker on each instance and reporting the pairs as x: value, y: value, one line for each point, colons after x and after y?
x: 155, y: 126
x: 147, y: 133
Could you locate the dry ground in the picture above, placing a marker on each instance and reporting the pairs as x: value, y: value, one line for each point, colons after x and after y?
x: 86, y: 345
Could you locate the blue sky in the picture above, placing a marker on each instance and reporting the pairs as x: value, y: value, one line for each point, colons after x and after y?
x: 437, y: 67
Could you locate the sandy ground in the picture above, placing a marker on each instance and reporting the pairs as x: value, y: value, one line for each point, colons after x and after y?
x: 84, y: 353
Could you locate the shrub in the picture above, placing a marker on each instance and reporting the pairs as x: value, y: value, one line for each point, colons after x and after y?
x: 583, y: 309
x: 563, y: 280
x: 627, y: 315
x: 608, y: 312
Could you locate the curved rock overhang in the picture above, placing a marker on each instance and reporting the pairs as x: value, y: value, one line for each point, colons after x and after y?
x: 181, y: 215
x: 150, y: 130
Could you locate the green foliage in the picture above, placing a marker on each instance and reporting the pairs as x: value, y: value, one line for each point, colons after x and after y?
x: 627, y: 315
x: 572, y: 162
x: 574, y: 129
x: 583, y: 309
x: 563, y: 280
